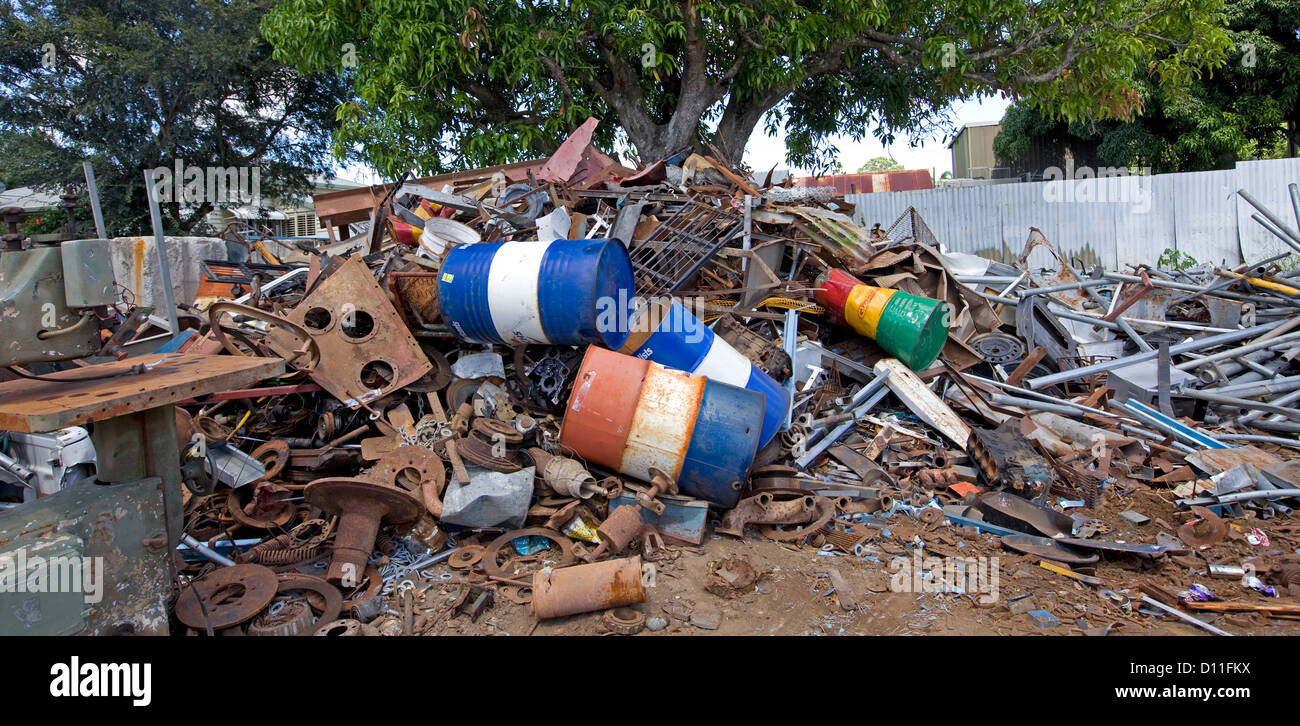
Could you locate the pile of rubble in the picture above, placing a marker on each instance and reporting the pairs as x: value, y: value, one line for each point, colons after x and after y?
x: 538, y: 386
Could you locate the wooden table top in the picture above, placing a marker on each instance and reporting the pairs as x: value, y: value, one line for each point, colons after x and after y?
x: 38, y: 406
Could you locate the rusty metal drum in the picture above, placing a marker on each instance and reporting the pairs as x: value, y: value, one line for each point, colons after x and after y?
x: 632, y: 415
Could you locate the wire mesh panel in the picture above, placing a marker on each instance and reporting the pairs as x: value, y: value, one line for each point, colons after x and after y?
x: 678, y: 247
x: 909, y: 228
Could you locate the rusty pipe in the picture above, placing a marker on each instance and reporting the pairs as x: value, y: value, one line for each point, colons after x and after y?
x: 586, y: 588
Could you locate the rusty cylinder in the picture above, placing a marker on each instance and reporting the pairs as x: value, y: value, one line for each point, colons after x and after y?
x: 586, y: 588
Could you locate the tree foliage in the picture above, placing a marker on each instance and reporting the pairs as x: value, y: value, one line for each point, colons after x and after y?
x: 138, y: 84
x: 880, y: 164
x: 445, y: 84
x: 1249, y: 107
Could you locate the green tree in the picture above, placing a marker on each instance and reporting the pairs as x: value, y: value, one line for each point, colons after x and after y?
x: 880, y: 164
x: 1247, y: 108
x: 138, y: 84
x: 445, y: 84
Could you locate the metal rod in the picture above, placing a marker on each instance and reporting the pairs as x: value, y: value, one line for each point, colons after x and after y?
x: 1276, y: 232
x: 1234, y: 352
x: 164, y: 271
x: 93, y: 190
x: 1276, y: 220
x: 1201, y: 344
x: 1291, y: 413
x: 1062, y: 288
x: 1238, y: 497
x: 1291, y: 397
x: 1180, y: 614
x: 204, y: 550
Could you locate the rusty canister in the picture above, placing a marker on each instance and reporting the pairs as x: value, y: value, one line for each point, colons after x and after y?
x: 585, y: 588
x: 632, y: 415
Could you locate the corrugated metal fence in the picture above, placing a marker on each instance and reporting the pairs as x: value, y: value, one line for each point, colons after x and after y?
x: 1115, y: 221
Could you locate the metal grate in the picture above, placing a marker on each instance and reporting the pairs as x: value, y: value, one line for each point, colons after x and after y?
x: 678, y: 247
x: 909, y: 228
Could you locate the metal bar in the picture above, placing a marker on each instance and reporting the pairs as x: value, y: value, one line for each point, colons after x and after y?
x: 1184, y: 616
x: 1291, y: 397
x: 1234, y: 352
x: 1201, y: 344
x: 1061, y: 288
x: 1238, y: 497
x: 1291, y: 413
x: 1276, y: 220
x: 164, y: 271
x: 93, y: 190
x: 1275, y: 231
x: 839, y: 431
x: 1169, y: 425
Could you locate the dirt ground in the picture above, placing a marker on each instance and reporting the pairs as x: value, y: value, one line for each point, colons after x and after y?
x: 795, y: 595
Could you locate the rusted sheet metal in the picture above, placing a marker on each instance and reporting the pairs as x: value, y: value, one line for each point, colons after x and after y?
x: 906, y: 180
x: 1214, y: 461
x: 36, y: 406
x: 923, y: 402
x: 366, y: 351
x: 586, y: 588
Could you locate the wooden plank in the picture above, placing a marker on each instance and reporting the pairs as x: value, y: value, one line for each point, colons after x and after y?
x: 82, y: 395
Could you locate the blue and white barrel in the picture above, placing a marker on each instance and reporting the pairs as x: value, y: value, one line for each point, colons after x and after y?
x: 633, y: 416
x: 564, y: 292
x: 682, y: 341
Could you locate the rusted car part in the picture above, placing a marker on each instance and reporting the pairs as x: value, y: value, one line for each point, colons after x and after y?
x: 332, y: 599
x: 1006, y: 459
x: 585, y: 588
x: 867, y: 470
x: 776, y: 478
x: 1048, y: 548
x: 618, y: 530
x: 274, y: 455
x: 276, y: 337
x: 1013, y: 512
x: 415, y: 469
x: 365, y: 350
x: 998, y: 348
x: 342, y: 628
x: 490, y: 556
x: 624, y: 621
x: 361, y: 505
x: 1208, y: 529
x: 294, y: 617
x: 260, y: 506
x: 226, y: 597
x: 796, y: 532
x: 731, y: 577
x: 466, y: 556
x: 765, y: 508
x: 546, y: 379
x: 437, y: 378
x: 492, y: 444
x: 565, y: 476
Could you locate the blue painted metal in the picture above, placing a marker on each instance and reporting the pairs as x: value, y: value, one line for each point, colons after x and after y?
x: 723, y: 444
x: 683, y: 518
x: 681, y: 341
x: 565, y: 292
x: 1171, y: 426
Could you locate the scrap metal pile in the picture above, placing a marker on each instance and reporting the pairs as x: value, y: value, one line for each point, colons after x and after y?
x: 534, y: 383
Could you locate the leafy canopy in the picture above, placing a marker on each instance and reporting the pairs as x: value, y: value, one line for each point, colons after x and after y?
x: 444, y: 84
x: 138, y: 84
